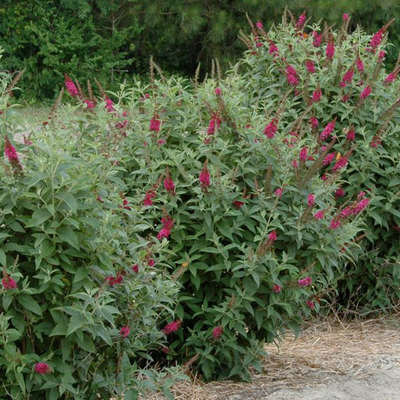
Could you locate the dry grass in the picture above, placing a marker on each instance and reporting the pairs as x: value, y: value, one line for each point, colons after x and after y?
x: 321, y: 351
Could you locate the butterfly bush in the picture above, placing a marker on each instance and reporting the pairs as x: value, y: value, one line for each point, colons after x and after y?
x: 246, y: 230
x: 359, y: 108
x: 76, y: 319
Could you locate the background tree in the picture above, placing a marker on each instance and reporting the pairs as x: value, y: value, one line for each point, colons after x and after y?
x: 115, y: 39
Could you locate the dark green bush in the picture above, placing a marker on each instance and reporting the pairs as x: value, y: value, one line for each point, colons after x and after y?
x: 372, y: 279
x: 78, y: 317
x: 241, y: 286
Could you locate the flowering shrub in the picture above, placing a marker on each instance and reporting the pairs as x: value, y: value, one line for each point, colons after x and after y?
x: 78, y: 317
x: 245, y: 188
x: 243, y: 219
x: 334, y: 84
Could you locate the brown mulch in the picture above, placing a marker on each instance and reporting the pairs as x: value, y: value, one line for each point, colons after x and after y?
x: 322, y: 350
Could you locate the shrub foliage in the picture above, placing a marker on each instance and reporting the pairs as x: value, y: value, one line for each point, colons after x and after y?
x: 78, y: 316
x: 370, y: 127
x: 249, y: 190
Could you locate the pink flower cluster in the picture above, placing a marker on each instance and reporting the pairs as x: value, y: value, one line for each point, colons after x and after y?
x: 238, y: 204
x: 204, y: 177
x: 360, y: 64
x: 319, y: 215
x: 340, y: 192
x: 273, y: 49
x: 310, y: 304
x: 42, y: 368
x: 10, y: 151
x: 351, y: 135
x: 270, y: 129
x: 328, y: 130
x: 317, y: 39
x: 8, y: 283
x: 305, y: 281
x: 375, y: 142
x: 150, y: 262
x: 89, y: 104
x: 71, y: 88
x: 314, y: 122
x: 109, y: 105
x: 366, y: 92
x: 377, y: 38
x: 214, y: 123
x: 125, y: 204
x: 135, y: 268
x: 272, y: 237
x: 330, y: 50
x: 125, y: 331
x: 310, y: 66
x: 335, y: 223
x: 217, y: 332
x: 355, y: 208
x: 316, y: 97
x: 291, y: 76
x: 328, y: 159
x: 301, y: 21
x: 155, y: 124
x: 168, y: 224
x: 172, y: 327
x: 311, y: 200
x: 347, y: 77
x: 114, y: 280
x: 340, y: 164
x: 303, y: 154
x: 122, y: 124
x: 276, y: 288
x: 169, y: 185
x: 148, y: 200
x: 391, y: 77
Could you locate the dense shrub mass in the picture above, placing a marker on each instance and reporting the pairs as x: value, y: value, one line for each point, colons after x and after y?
x: 250, y: 190
x: 78, y: 315
x: 339, y: 81
x: 247, y: 215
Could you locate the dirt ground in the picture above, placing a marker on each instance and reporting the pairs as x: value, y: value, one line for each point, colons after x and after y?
x: 328, y: 361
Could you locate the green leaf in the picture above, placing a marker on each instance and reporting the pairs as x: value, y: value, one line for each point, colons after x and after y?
x: 225, y: 229
x: 7, y: 300
x: 21, y: 381
x: 29, y: 303
x: 256, y: 278
x: 38, y: 217
x: 87, y: 344
x: 65, y: 348
x: 131, y: 394
x: 3, y: 258
x: 59, y: 330
x: 76, y: 322
x: 12, y: 335
x: 69, y: 236
x: 69, y: 199
x: 17, y: 227
x: 81, y: 274
x: 394, y: 182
